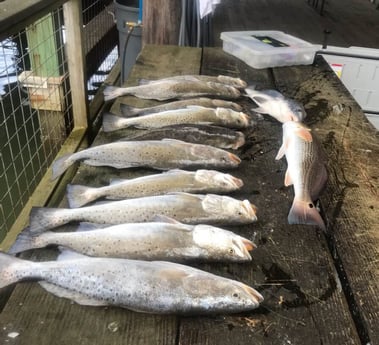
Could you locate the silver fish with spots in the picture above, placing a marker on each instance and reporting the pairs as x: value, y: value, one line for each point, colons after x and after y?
x: 223, y: 79
x: 200, y: 181
x: 162, y: 90
x: 222, y: 137
x: 183, y: 207
x: 144, y: 286
x: 163, y: 154
x: 273, y: 103
x: 128, y: 111
x: 168, y: 240
x: 190, y: 115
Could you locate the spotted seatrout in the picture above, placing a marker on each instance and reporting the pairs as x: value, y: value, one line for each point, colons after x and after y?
x: 171, y: 89
x: 183, y: 207
x: 144, y: 286
x: 200, y: 181
x: 191, y: 115
x: 159, y: 154
x: 306, y: 171
x: 169, y: 240
x: 128, y: 111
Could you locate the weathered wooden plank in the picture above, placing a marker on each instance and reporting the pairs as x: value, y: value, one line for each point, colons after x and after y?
x: 291, y: 267
x: 350, y: 202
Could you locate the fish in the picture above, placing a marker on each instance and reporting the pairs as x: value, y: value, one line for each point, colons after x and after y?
x: 128, y: 111
x: 221, y: 137
x: 162, y: 154
x: 223, y: 79
x: 273, y: 103
x: 188, y: 208
x: 167, y: 240
x: 176, y: 180
x: 191, y: 115
x: 173, y: 89
x: 306, y: 171
x: 158, y: 287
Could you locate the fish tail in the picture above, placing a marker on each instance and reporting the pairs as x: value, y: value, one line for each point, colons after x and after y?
x: 44, y: 218
x: 111, y: 92
x: 61, y: 165
x: 9, y: 269
x: 128, y: 110
x: 112, y: 122
x: 78, y: 195
x: 305, y: 212
x: 25, y: 241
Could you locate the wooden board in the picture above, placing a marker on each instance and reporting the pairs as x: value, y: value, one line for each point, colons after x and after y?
x: 292, y: 267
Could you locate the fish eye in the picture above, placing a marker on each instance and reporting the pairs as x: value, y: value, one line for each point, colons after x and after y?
x: 231, y: 251
x: 236, y: 295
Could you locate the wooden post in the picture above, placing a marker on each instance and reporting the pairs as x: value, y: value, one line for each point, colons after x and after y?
x: 72, y: 11
x: 161, y: 21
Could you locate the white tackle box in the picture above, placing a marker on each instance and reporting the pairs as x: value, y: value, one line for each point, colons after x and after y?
x: 264, y: 49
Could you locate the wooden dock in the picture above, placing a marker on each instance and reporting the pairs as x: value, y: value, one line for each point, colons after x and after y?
x: 319, y: 288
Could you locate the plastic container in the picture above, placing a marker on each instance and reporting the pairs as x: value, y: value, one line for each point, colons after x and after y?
x: 264, y: 49
x: 129, y: 47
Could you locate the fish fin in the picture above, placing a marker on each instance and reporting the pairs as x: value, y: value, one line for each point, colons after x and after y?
x: 165, y: 219
x: 128, y: 110
x: 69, y: 254
x: 115, y: 181
x: 281, y: 152
x: 60, y: 165
x: 304, y: 133
x: 87, y: 226
x: 174, y: 171
x: 6, y: 263
x: 287, y: 179
x: 111, y: 92
x: 78, y: 195
x: 259, y: 110
x: 44, y: 218
x: 305, y: 212
x: 113, y: 122
x: 319, y: 185
x: 144, y: 81
x: 25, y: 241
x: 71, y: 295
x: 172, y: 140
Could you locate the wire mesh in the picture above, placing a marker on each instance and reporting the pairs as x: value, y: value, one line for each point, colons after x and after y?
x: 35, y: 111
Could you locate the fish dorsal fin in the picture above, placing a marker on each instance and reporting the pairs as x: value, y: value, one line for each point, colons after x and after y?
x: 115, y: 181
x: 67, y: 254
x: 72, y: 295
x: 165, y: 219
x: 287, y: 179
x: 304, y: 133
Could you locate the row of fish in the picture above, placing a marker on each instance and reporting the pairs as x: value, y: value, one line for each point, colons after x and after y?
x: 306, y: 161
x: 158, y: 217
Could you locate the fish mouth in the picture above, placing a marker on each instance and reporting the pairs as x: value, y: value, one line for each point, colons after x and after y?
x: 244, y: 247
x: 240, y: 141
x: 245, y: 118
x: 234, y: 158
x: 249, y: 245
x: 234, y: 181
x: 250, y: 209
x: 256, y: 296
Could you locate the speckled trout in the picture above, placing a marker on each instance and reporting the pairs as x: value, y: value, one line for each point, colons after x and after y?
x: 183, y: 207
x: 171, y: 241
x: 223, y: 79
x: 144, y: 286
x: 159, y: 154
x: 273, y: 103
x: 190, y: 115
x: 222, y: 137
x: 127, y: 110
x: 200, y: 181
x: 171, y: 89
x: 306, y: 171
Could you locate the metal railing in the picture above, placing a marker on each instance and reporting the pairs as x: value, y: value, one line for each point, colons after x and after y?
x: 43, y: 92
